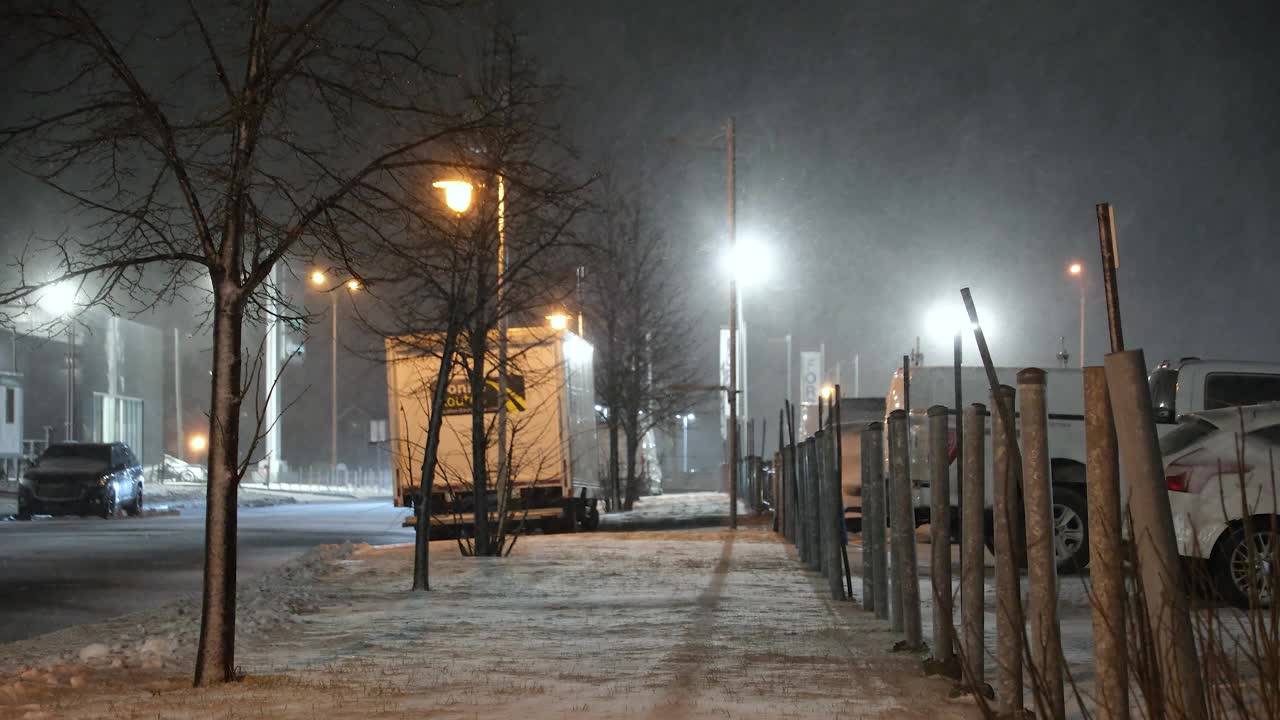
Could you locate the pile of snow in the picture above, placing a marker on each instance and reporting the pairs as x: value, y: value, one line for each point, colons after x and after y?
x: 672, y: 511
x: 167, y: 636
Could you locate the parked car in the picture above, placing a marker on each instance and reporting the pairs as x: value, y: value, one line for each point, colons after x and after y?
x: 81, y: 479
x: 176, y: 469
x: 1219, y: 468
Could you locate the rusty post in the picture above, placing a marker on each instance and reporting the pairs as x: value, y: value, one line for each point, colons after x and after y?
x: 874, y: 560
x: 1042, y: 566
x: 972, y: 552
x: 903, y: 526
x: 940, y: 541
x: 1009, y: 622
x: 1110, y: 261
x: 1157, y: 563
x: 1106, y: 553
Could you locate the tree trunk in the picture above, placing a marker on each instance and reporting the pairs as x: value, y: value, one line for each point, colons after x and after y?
x: 633, y: 483
x: 615, y: 486
x: 215, y: 657
x: 479, y: 442
x: 422, y: 534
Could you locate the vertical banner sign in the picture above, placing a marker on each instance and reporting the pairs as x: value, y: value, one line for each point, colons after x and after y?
x: 810, y: 377
x: 724, y: 383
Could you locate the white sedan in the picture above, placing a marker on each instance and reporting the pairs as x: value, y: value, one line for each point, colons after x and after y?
x: 1220, y: 468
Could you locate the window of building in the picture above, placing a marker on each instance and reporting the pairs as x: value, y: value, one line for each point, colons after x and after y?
x: 10, y: 405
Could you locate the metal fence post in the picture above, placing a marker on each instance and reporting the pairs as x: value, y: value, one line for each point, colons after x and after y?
x: 1158, y: 567
x: 972, y: 552
x: 1042, y: 565
x: 820, y: 498
x: 874, y: 561
x: 1009, y: 622
x: 815, y: 507
x: 833, y: 518
x: 903, y: 525
x: 1106, y: 554
x: 940, y: 542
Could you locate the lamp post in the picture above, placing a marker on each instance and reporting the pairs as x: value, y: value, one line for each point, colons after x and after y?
x: 59, y: 301
x: 684, y: 444
x: 319, y: 279
x: 457, y: 196
x: 1076, y: 270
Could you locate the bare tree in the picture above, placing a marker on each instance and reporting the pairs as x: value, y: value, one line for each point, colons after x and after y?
x: 219, y: 142
x: 448, y: 302
x: 643, y: 333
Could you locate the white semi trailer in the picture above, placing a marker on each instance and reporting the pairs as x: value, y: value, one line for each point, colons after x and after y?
x: 551, y: 432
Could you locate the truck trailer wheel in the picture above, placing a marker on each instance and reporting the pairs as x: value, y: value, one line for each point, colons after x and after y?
x: 591, y: 518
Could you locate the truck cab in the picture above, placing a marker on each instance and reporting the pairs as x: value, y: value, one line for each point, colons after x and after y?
x: 1194, y: 385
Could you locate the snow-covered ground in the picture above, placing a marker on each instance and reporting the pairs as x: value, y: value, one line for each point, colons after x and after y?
x: 180, y: 495
x: 699, y: 623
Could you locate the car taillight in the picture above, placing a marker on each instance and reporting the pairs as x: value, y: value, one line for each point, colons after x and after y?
x: 1181, y: 482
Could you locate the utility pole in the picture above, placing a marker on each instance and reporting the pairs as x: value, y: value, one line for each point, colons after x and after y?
x: 333, y: 385
x: 733, y: 340
x: 177, y: 394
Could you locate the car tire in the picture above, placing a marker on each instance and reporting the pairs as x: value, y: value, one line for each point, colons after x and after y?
x: 135, y: 509
x: 109, y: 507
x: 1070, y: 529
x: 1230, y: 565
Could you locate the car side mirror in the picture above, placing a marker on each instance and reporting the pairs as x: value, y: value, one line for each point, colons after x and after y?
x: 1163, y: 415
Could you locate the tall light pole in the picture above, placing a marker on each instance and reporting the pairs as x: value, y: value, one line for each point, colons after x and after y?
x: 1076, y: 270
x: 59, y: 301
x: 457, y: 196
x: 319, y: 279
x: 733, y: 338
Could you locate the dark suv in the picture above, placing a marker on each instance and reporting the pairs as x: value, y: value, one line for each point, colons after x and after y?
x: 82, y: 479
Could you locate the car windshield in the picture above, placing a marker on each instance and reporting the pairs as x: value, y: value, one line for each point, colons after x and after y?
x: 1187, y: 433
x: 1164, y: 393
x: 78, y: 454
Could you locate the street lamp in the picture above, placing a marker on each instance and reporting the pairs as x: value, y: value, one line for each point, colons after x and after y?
x: 457, y: 196
x: 558, y: 321
x: 198, y: 443
x: 684, y: 424
x: 319, y: 279
x: 59, y: 301
x: 1076, y: 270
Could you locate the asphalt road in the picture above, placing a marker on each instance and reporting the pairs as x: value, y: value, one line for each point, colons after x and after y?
x: 56, y: 573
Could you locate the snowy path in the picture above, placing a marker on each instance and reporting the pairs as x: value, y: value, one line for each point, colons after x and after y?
x: 672, y: 624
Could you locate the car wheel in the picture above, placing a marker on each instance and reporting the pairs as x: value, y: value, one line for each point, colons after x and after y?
x: 188, y: 476
x: 135, y: 509
x: 108, y: 505
x: 1070, y: 529
x: 1244, y: 566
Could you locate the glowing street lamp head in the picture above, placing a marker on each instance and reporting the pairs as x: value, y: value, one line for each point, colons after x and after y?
x: 318, y: 278
x: 946, y: 321
x: 827, y: 392
x: 748, y: 262
x: 354, y: 284
x: 457, y: 194
x: 59, y: 299
x: 1075, y: 268
x: 558, y: 321
x: 198, y: 443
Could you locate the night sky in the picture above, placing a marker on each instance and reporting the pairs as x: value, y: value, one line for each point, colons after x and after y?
x: 891, y: 153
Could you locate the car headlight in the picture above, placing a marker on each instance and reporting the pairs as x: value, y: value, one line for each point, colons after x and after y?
x: 105, y: 479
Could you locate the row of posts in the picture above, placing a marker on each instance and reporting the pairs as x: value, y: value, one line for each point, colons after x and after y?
x: 806, y: 494
x: 809, y: 513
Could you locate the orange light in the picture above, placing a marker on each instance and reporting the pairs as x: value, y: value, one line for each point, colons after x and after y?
x: 1075, y: 268
x: 317, y: 278
x: 198, y: 443
x: 353, y: 284
x: 457, y: 194
x: 558, y: 321
x: 827, y: 391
